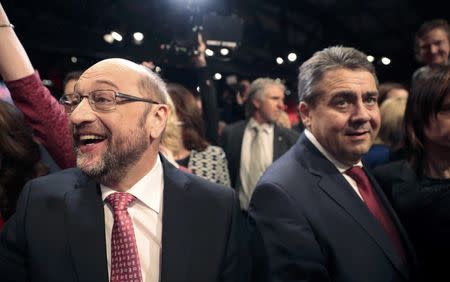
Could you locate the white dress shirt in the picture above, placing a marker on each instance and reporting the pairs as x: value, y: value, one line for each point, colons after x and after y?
x: 245, y: 192
x: 340, y: 166
x: 146, y: 214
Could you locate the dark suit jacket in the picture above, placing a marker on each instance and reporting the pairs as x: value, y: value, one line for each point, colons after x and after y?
x: 310, y: 225
x: 231, y: 142
x: 58, y: 234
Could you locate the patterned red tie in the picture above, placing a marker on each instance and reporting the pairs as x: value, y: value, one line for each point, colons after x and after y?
x: 375, y: 206
x: 125, y: 266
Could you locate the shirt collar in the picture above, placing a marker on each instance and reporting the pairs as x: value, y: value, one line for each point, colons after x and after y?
x: 340, y: 166
x: 265, y: 126
x: 147, y: 190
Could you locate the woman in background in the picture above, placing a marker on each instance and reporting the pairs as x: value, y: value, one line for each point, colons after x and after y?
x: 419, y: 187
x: 194, y: 152
x: 20, y: 158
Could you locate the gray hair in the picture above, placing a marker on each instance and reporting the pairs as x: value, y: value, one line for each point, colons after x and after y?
x: 258, y: 91
x: 151, y: 85
x: 337, y: 57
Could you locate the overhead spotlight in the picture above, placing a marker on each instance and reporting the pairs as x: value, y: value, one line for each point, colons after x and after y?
x: 73, y: 59
x: 138, y: 36
x: 209, y: 52
x: 198, y: 89
x: 158, y: 69
x: 279, y: 60
x: 385, y: 61
x: 117, y: 36
x: 292, y: 57
x: 224, y: 51
x: 108, y: 38
x: 217, y: 76
x: 370, y: 58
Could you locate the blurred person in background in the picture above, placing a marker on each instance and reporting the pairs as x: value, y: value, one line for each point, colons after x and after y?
x: 391, y: 90
x: 20, y: 158
x: 253, y: 144
x: 432, y: 44
x: 387, y: 145
x: 194, y: 152
x: 419, y: 187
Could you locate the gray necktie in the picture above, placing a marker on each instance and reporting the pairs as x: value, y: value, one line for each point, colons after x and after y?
x: 256, y: 166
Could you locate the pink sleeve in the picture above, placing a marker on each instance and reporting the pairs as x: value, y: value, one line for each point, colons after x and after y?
x: 46, y: 116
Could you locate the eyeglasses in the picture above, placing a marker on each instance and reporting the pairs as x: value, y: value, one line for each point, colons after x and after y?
x: 100, y: 100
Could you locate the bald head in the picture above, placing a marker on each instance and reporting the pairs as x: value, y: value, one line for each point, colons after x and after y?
x: 149, y: 84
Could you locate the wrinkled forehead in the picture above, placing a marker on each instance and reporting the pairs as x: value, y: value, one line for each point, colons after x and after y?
x: 115, y: 74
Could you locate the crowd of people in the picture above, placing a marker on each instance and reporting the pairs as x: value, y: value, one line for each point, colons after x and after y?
x: 132, y: 178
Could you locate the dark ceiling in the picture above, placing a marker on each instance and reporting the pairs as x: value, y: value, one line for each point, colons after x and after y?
x: 55, y: 31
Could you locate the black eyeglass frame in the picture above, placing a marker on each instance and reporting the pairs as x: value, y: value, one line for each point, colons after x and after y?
x: 126, y: 98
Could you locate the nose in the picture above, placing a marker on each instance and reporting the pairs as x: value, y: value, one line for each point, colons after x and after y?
x: 280, y: 104
x: 434, y: 48
x: 82, y: 113
x: 361, y: 114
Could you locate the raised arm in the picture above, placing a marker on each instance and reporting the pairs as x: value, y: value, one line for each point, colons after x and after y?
x: 42, y: 112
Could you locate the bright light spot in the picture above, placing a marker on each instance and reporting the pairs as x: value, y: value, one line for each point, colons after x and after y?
x: 116, y: 36
x: 158, y: 69
x: 224, y: 51
x: 74, y: 59
x: 385, y: 61
x: 198, y: 89
x: 370, y: 58
x: 108, y: 38
x: 209, y: 52
x: 279, y: 60
x: 217, y: 76
x: 292, y: 57
x: 138, y: 36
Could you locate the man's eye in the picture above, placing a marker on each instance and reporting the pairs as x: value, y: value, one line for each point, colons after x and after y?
x: 341, y: 103
x: 371, y: 101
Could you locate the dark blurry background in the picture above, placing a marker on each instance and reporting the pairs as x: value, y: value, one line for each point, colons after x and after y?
x: 61, y: 36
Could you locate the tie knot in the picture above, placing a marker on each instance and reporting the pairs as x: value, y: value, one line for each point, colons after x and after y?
x: 358, y: 174
x: 120, y: 201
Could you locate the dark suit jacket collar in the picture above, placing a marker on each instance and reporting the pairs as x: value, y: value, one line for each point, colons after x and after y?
x: 86, y: 228
x: 339, y: 190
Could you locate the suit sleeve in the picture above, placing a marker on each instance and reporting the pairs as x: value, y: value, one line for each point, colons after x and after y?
x: 283, y: 244
x: 235, y: 262
x: 13, y: 261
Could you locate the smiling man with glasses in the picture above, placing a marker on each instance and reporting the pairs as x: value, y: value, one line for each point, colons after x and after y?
x: 125, y: 213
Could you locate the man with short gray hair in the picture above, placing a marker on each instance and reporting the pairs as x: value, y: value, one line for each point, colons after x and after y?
x: 252, y: 145
x: 316, y: 213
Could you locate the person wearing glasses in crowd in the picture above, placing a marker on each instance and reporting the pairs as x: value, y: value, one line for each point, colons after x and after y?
x: 125, y: 212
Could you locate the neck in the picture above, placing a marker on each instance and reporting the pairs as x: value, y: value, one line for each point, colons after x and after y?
x: 437, y: 162
x: 259, y: 119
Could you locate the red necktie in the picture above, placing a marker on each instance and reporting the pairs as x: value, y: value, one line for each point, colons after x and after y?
x: 375, y: 206
x: 125, y: 266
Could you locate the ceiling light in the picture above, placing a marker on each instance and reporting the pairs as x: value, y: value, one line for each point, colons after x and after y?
x: 279, y: 60
x: 217, y: 76
x: 292, y: 57
x: 138, y: 36
x: 224, y: 51
x: 108, y: 38
x: 73, y: 59
x: 370, y: 58
x: 209, y: 52
x: 117, y: 36
x: 385, y: 61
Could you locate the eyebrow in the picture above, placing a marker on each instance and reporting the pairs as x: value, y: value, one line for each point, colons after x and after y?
x: 98, y: 81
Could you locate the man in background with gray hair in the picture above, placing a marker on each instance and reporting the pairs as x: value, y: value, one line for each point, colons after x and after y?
x: 316, y: 214
x: 252, y: 145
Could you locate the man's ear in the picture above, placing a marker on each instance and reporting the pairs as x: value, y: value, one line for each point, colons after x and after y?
x: 158, y: 120
x: 256, y: 103
x: 305, y: 114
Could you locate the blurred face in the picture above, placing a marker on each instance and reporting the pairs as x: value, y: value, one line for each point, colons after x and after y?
x: 397, y: 93
x: 269, y: 108
x: 345, y: 119
x: 109, y: 143
x: 434, y: 47
x: 437, y: 132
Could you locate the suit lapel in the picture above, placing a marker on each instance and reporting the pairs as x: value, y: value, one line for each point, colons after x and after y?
x: 339, y: 190
x: 176, y: 235
x: 277, y: 143
x: 86, y: 231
